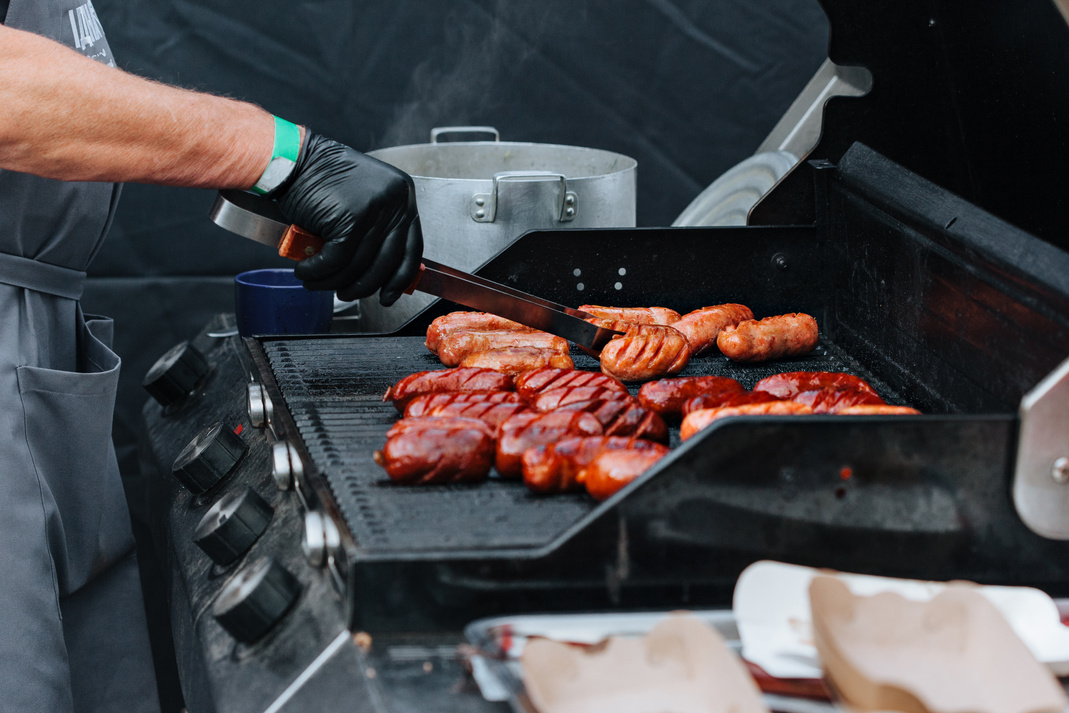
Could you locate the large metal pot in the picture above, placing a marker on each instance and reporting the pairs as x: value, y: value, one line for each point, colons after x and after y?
x: 476, y: 198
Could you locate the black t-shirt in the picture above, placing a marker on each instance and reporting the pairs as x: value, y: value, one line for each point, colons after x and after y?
x: 3, y: 10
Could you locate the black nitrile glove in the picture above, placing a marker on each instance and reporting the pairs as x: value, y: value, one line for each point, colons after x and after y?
x: 365, y: 210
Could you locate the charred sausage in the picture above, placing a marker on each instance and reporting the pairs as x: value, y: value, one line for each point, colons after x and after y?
x: 633, y: 315
x: 835, y: 400
x: 877, y: 410
x: 430, y: 404
x: 667, y: 396
x: 612, y: 470
x: 467, y: 322
x: 492, y: 412
x: 702, y: 326
x: 624, y: 417
x: 557, y: 467
x: 516, y: 360
x: 463, y: 379
x: 556, y: 398
x: 426, y: 451
x: 697, y: 420
x: 791, y: 383
x: 532, y: 383
x: 785, y: 335
x: 454, y: 347
x: 529, y: 429
x: 742, y: 398
x: 644, y: 352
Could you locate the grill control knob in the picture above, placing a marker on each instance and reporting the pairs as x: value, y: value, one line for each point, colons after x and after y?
x: 321, y: 538
x: 261, y: 408
x: 208, y: 458
x: 230, y: 526
x: 256, y: 599
x: 176, y: 374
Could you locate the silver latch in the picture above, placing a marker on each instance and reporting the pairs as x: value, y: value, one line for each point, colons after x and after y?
x: 484, y: 206
x: 1041, y: 475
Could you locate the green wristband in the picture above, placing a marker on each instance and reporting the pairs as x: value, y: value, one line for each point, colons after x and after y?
x: 283, y: 157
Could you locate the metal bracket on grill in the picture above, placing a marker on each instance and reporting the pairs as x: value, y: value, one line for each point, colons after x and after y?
x: 1041, y: 475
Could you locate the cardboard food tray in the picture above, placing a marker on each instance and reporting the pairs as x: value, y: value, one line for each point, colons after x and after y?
x: 497, y: 644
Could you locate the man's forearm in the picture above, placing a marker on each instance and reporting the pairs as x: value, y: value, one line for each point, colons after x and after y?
x: 68, y: 117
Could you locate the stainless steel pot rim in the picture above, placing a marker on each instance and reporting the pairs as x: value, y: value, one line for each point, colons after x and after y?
x: 480, y: 160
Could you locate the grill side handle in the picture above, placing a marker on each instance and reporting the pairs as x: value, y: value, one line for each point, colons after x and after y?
x: 1041, y: 473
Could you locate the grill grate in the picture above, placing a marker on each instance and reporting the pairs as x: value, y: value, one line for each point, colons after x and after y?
x: 333, y: 390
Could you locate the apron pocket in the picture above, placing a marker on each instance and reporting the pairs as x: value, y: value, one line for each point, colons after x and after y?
x: 68, y: 430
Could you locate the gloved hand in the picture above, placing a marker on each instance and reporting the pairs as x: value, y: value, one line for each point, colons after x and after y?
x: 365, y: 210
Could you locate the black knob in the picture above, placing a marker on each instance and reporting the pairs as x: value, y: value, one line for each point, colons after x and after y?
x: 208, y: 458
x: 230, y: 526
x: 256, y: 599
x: 176, y: 374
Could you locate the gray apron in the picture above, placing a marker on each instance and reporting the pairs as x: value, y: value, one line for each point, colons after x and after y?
x: 72, y: 624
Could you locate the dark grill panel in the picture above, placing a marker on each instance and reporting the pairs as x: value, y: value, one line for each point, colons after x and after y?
x: 333, y: 390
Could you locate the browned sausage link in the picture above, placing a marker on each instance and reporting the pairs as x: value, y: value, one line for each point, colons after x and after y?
x: 422, y: 451
x: 633, y: 315
x: 556, y: 398
x: 785, y: 335
x: 697, y: 420
x: 526, y: 430
x: 667, y: 396
x: 534, y: 382
x: 834, y: 400
x: 467, y: 322
x: 463, y: 379
x: 877, y: 410
x: 790, y: 383
x: 453, y: 348
x: 517, y: 360
x: 493, y: 414
x: 612, y: 470
x: 702, y: 326
x: 557, y: 467
x: 644, y: 352
x: 430, y: 404
x: 620, y: 417
x: 707, y: 401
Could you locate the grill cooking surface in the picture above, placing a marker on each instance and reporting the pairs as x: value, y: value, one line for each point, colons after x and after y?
x: 333, y: 389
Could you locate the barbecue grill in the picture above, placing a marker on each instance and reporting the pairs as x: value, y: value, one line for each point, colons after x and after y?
x: 937, y: 303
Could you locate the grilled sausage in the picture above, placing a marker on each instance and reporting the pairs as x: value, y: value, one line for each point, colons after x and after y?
x: 697, y: 420
x: 667, y: 396
x: 624, y: 417
x: 556, y: 398
x: 430, y: 404
x: 557, y: 467
x: 516, y: 360
x: 791, y: 383
x: 633, y: 315
x: 492, y: 412
x: 785, y: 335
x: 534, y: 382
x: 835, y: 400
x: 743, y: 398
x: 702, y: 326
x: 463, y: 379
x: 877, y: 410
x: 612, y: 470
x: 467, y: 322
x: 430, y: 451
x: 454, y: 347
x: 529, y: 429
x: 644, y: 352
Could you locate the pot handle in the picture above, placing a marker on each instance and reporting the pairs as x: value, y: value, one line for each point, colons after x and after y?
x: 484, y: 205
x: 438, y: 131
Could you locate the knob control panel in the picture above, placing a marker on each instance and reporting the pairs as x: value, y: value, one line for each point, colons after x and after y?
x: 232, y: 525
x: 176, y: 374
x: 256, y: 599
x: 208, y: 458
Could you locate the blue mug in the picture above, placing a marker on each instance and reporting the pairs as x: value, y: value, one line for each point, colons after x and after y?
x: 273, y: 301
